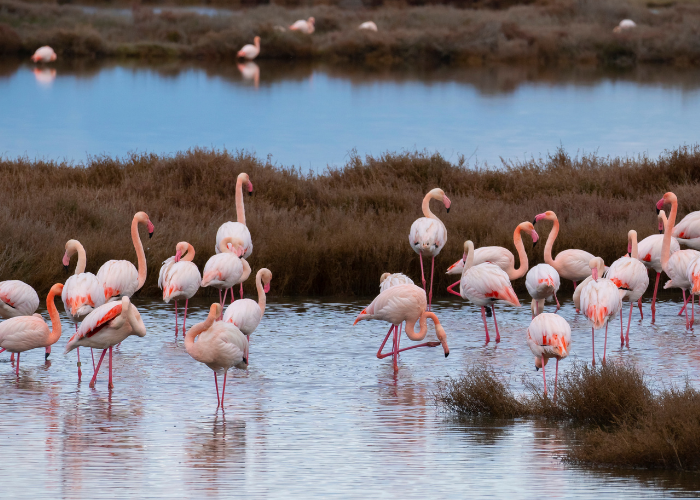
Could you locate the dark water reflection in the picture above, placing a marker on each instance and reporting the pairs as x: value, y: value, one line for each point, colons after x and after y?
x: 316, y: 415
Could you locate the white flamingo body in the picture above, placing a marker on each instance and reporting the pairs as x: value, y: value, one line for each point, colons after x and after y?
x: 17, y: 299
x: 246, y: 313
x: 108, y: 325
x: 249, y: 51
x: 485, y: 284
x: 499, y: 256
x: 389, y: 280
x: 630, y: 275
x: 542, y: 281
x: 44, y: 54
x: 650, y: 251
x: 222, y: 271
x: 304, y: 26
x: 427, y: 236
x: 235, y: 230
x: 368, y: 25
x: 549, y: 336
x: 677, y: 269
x: 687, y: 231
x: 81, y: 294
x: 23, y: 333
x: 398, y: 304
x: 600, y: 302
x: 179, y: 280
x: 572, y: 264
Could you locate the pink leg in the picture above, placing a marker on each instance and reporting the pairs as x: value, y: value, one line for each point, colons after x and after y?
x: 685, y: 302
x: 92, y: 353
x: 216, y: 383
x: 247, y: 349
x: 80, y: 373
x: 605, y: 344
x: 395, y: 357
x: 543, y: 377
x: 232, y: 296
x: 184, y: 319
x: 17, y: 370
x: 176, y: 328
x: 2, y: 350
x: 398, y: 340
x: 432, y: 272
x: 692, y: 310
x: 495, y: 323
x: 686, y: 309
x: 556, y: 374
x: 450, y: 289
x: 224, y: 301
x: 94, y: 377
x: 232, y: 302
x: 622, y: 323
x: 483, y: 316
x: 653, y: 300
x: 223, y: 391
x: 574, y: 285
x: 593, y: 344
x: 379, y: 352
x: 558, y: 306
x: 222, y: 304
x: 12, y: 357
x: 629, y: 320
x: 424, y: 344
x: 110, y: 385
x: 639, y: 303
x: 422, y: 274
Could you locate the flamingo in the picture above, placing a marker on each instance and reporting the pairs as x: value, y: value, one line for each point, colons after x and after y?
x: 120, y: 278
x: 179, y: 278
x: 599, y: 299
x: 571, y: 264
x: 649, y: 253
x: 687, y: 231
x: 82, y: 292
x: 226, y: 269
x: 105, y: 327
x: 502, y: 257
x: 44, y: 54
x: 17, y: 299
x: 246, y: 314
x: 304, y: 26
x: 250, y: 71
x: 368, y: 25
x: 249, y: 51
x: 483, y: 285
x: 22, y: 333
x: 428, y: 235
x: 542, y: 282
x: 237, y: 229
x: 549, y: 336
x: 44, y: 76
x: 386, y: 281
x: 404, y: 303
x: 220, y: 346
x: 675, y: 265
x: 625, y: 24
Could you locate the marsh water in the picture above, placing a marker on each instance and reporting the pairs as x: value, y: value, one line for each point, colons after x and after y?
x: 315, y: 415
x: 313, y: 116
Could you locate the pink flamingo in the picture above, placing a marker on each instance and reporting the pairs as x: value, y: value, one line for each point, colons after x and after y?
x: 549, y: 336
x: 220, y: 346
x: 237, y: 230
x: 483, y: 285
x: 502, y: 257
x: 404, y: 303
x: 245, y: 314
x: 17, y: 299
x: 302, y: 26
x: 649, y: 253
x: 599, y: 299
x: 249, y: 51
x: 179, y: 278
x: 386, y: 281
x: 630, y: 275
x: 226, y: 269
x: 23, y: 333
x: 120, y: 278
x: 687, y: 231
x: 542, y: 282
x: 44, y: 54
x: 428, y: 235
x: 105, y: 327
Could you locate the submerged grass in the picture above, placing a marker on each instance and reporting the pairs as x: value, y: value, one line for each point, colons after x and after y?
x: 333, y: 233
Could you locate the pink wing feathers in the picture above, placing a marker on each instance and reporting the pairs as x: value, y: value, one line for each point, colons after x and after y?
x: 549, y: 335
x: 17, y: 299
x: 119, y: 278
x: 81, y: 294
x: 396, y: 305
x: 486, y: 283
x: 244, y: 314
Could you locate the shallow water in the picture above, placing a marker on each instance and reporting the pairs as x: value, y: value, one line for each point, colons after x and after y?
x: 315, y: 415
x: 314, y: 116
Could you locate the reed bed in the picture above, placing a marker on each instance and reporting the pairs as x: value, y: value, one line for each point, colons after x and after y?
x: 547, y: 32
x: 332, y: 233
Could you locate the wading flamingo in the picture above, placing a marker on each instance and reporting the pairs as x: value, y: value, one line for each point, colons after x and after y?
x: 599, y: 299
x: 687, y: 231
x: 625, y: 24
x: 428, y: 235
x: 220, y: 346
x: 179, y: 279
x: 630, y: 275
x: 302, y: 26
x: 237, y: 229
x: 120, y: 278
x: 23, y: 333
x: 17, y: 299
x: 368, y: 25
x: 404, y: 303
x: 483, y: 285
x: 386, y: 281
x: 649, y: 253
x: 44, y: 54
x: 542, y: 282
x: 226, y: 269
x: 250, y: 72
x: 245, y: 314
x: 82, y: 292
x: 549, y: 336
x: 675, y: 265
x: 249, y: 51
x: 502, y: 257
x: 105, y: 327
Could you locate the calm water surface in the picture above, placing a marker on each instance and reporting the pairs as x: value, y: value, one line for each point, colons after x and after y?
x: 316, y: 415
x: 311, y: 116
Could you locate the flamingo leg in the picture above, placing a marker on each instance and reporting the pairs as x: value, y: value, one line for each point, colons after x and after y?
x: 17, y: 369
x: 223, y: 390
x: 483, y: 316
x: 593, y: 344
x: 216, y: 383
x: 629, y: 320
x: 232, y: 302
x: 176, y: 328
x: 184, y: 319
x: 543, y: 377
x: 424, y: 344
x: 12, y: 357
x: 641, y: 311
x: 94, y: 377
x: 653, y: 300
x: 498, y: 335
x: 605, y: 344
x: 450, y: 289
x: 2, y: 350
x: 622, y: 324
x: 555, y: 298
x: 247, y: 349
x: 686, y: 309
x: 92, y: 353
x: 574, y: 286
x: 395, y: 357
x: 398, y: 340
x: 556, y: 374
x: 432, y: 272
x: 80, y: 373
x: 692, y: 309
x: 422, y: 274
x: 685, y: 302
x: 110, y: 385
x: 379, y: 352
x: 224, y: 302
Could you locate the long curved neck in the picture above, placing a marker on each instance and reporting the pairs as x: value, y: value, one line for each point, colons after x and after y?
x: 634, y: 246
x: 190, y: 344
x: 426, y: 207
x: 668, y: 232
x: 262, y: 299
x: 411, y: 325
x: 55, y: 318
x: 514, y: 273
x: 190, y: 253
x: 82, y: 259
x: 550, y: 243
x: 240, y: 210
x: 470, y: 260
x: 140, y: 255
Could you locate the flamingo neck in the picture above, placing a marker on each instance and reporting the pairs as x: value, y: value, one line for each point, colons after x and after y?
x: 633, y: 242
x: 514, y: 273
x: 411, y: 325
x: 257, y: 43
x: 550, y: 243
x: 426, y: 207
x: 82, y: 259
x: 262, y: 298
x: 189, y: 256
x: 668, y: 232
x: 140, y: 255
x: 190, y: 345
x: 240, y: 210
x: 470, y: 259
x: 55, y: 318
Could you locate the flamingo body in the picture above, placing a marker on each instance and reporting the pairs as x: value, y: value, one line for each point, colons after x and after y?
x: 235, y: 230
x: 389, y: 280
x: 107, y: 326
x: 220, y: 347
x: 549, y: 336
x: 677, y: 269
x: 304, y: 26
x: 119, y: 279
x: 368, y: 25
x: 222, y: 271
x: 23, y: 333
x: 17, y: 299
x: 650, y: 251
x: 542, y: 281
x: 600, y: 301
x: 629, y: 274
x: 179, y: 280
x: 81, y: 294
x: 427, y: 236
x: 485, y: 284
x: 44, y: 54
x: 249, y: 51
x: 687, y: 231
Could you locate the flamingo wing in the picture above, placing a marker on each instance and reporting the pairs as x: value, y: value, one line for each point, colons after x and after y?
x: 98, y: 319
x: 224, y: 269
x: 600, y: 301
x: 235, y: 230
x: 397, y: 304
x: 119, y: 278
x: 573, y: 264
x: 395, y: 280
x: 23, y: 333
x: 499, y: 256
x: 244, y: 314
x: 549, y: 335
x: 181, y: 278
x: 19, y: 298
x: 487, y: 283
x: 81, y: 294
x: 630, y: 275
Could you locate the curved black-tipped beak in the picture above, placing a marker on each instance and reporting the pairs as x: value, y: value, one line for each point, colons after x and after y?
x: 661, y: 231
x: 658, y: 210
x: 447, y: 354
x: 537, y: 369
x: 534, y: 243
x: 65, y: 268
x: 46, y: 355
x: 245, y: 360
x: 534, y: 221
x: 448, y: 210
x: 150, y: 235
x: 250, y: 193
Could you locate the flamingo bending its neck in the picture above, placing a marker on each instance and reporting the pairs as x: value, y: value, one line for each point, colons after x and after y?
x: 386, y: 281
x: 549, y: 336
x: 44, y: 54
x: 249, y: 51
x: 227, y: 268
x: 179, y: 279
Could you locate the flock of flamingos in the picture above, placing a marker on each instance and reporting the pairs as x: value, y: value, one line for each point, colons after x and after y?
x: 100, y: 307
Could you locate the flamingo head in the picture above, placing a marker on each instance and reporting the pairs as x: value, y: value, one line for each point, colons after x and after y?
x: 256, y: 40
x: 662, y: 214
x: 442, y: 337
x: 667, y: 198
x: 178, y: 256
x: 447, y: 203
x: 47, y: 353
x: 549, y: 215
x: 383, y: 277
x: 311, y: 20
x: 265, y: 278
x: 66, y: 261
x: 593, y: 264
x: 457, y: 267
x: 53, y: 57
x: 538, y: 362
x: 214, y: 312
x: 151, y: 228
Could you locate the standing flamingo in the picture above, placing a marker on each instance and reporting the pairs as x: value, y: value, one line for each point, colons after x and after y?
x: 483, y: 285
x: 549, y: 336
x: 368, y: 25
x: 649, y: 253
x: 220, y: 346
x: 404, y: 303
x: 120, y: 278
x: 179, y: 278
x: 249, y: 51
x: 675, y: 265
x: 105, y: 327
x: 82, y: 292
x: 17, y: 299
x: 386, y: 281
x: 599, y: 299
x: 44, y: 54
x: 428, y: 235
x: 226, y: 269
x: 502, y: 257
x: 303, y: 26
x: 542, y: 282
x: 687, y: 231
x: 630, y: 275
x: 22, y: 333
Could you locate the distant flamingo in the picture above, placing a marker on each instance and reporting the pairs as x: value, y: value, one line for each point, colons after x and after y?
x: 502, y: 257
x: 302, y: 26
x: 82, y: 292
x: 105, y: 327
x: 386, y: 281
x: 22, y: 333
x: 220, y: 346
x: 250, y: 71
x: 483, y: 285
x: 549, y: 336
x: 179, y: 278
x: 600, y: 300
x: 649, y: 253
x: 625, y: 24
x: 404, y: 303
x: 368, y: 25
x: 17, y: 299
x: 542, y: 282
x: 630, y: 275
x: 226, y: 269
x: 44, y: 54
x: 44, y: 76
x: 120, y: 278
x: 428, y: 235
x: 687, y: 231
x: 249, y: 51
